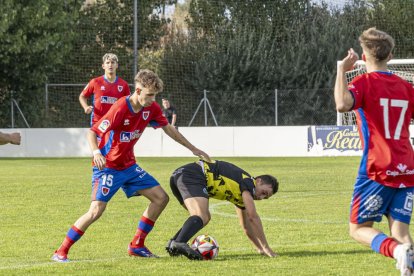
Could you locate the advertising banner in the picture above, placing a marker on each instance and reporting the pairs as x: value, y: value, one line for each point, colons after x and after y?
x: 334, y: 141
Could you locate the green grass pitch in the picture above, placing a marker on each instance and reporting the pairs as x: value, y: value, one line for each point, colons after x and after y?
x: 306, y: 222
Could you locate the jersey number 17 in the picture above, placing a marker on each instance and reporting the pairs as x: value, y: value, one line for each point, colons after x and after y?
x: 392, y: 103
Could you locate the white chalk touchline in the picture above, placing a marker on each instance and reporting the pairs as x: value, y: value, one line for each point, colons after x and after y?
x: 213, y: 210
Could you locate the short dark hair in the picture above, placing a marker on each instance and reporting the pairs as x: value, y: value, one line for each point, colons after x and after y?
x: 270, y: 180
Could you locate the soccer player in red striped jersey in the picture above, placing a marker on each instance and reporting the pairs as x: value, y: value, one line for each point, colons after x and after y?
x: 384, y: 106
x: 104, y: 90
x: 115, y: 166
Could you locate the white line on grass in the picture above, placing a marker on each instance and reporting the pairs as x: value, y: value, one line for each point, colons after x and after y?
x: 213, y: 210
x: 50, y: 263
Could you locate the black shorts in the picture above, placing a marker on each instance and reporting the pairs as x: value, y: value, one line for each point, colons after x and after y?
x: 188, y: 181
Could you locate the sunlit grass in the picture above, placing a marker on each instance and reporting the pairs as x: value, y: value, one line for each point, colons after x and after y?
x: 306, y: 222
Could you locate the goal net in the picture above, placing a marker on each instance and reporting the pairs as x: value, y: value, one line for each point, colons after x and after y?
x: 403, y: 68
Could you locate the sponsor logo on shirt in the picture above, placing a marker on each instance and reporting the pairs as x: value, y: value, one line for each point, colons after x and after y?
x: 127, y: 136
x: 145, y: 115
x: 402, y: 167
x: 108, y: 100
x: 120, y: 88
x: 102, y: 88
x: 402, y: 170
x: 104, y: 125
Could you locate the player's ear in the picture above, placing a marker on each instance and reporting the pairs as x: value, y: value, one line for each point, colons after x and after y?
x: 390, y: 56
x: 363, y: 57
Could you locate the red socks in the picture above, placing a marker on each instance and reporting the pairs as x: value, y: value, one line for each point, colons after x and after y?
x: 145, y: 226
x: 73, y: 235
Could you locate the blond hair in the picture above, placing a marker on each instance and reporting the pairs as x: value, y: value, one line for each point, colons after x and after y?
x: 110, y: 57
x: 149, y: 79
x: 377, y: 43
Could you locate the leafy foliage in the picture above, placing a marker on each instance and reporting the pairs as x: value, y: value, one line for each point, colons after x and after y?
x: 238, y: 50
x: 241, y: 51
x: 35, y: 38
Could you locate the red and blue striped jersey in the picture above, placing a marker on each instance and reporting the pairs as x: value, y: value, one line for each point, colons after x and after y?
x: 384, y: 107
x: 105, y: 94
x: 121, y: 128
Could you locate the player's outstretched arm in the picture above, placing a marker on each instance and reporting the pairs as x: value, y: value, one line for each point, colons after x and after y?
x: 174, y: 119
x: 178, y: 137
x: 84, y: 103
x: 248, y: 229
x: 12, y: 138
x: 252, y: 225
x: 98, y: 158
x: 343, y: 98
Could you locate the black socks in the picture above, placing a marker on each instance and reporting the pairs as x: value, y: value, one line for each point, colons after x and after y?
x: 191, y: 226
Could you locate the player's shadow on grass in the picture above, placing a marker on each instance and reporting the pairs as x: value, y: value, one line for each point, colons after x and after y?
x: 322, y: 253
x: 228, y: 257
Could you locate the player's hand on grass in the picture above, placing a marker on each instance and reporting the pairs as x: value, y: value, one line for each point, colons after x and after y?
x: 348, y: 62
x: 88, y: 110
x: 268, y: 252
x: 99, y: 160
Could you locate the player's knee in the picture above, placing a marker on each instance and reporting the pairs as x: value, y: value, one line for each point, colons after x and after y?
x: 353, y: 233
x: 96, y: 211
x: 206, y: 218
x: 162, y: 199
x: 165, y: 199
x: 402, y: 237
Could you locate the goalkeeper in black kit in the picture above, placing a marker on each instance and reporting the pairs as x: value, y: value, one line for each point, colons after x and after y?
x: 193, y: 184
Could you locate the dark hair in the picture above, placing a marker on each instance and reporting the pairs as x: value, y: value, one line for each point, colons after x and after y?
x: 270, y: 180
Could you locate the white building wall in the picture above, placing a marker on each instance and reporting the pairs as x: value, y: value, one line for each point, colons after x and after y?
x: 216, y: 141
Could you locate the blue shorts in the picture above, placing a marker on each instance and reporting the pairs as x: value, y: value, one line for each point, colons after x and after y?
x: 372, y: 200
x: 107, y: 182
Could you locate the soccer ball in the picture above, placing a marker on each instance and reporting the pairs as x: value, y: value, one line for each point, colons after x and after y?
x: 206, y: 245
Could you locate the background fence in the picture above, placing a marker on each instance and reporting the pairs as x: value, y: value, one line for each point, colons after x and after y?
x: 277, y: 107
x: 239, y: 51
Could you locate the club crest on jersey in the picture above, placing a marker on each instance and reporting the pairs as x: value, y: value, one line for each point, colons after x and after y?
x: 104, y: 125
x: 126, y: 122
x: 102, y: 88
x: 145, y: 115
x: 105, y: 191
x: 127, y: 136
x: 120, y: 88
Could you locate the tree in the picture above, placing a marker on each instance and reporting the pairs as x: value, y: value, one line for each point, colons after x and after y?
x: 242, y: 50
x: 35, y: 37
x: 396, y: 18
